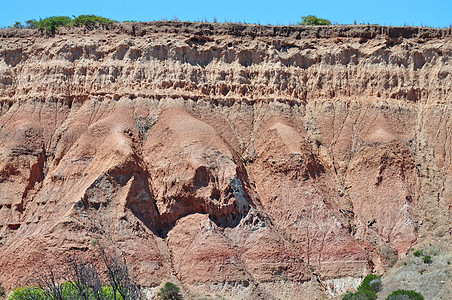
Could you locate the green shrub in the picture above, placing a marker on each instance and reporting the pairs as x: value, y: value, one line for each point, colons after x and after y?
x: 427, y: 259
x: 27, y: 293
x: 169, y: 291
x: 50, y: 25
x: 90, y: 20
x: 367, y: 290
x: 18, y: 25
x: 371, y: 283
x: 418, y: 253
x: 108, y: 293
x: 360, y: 295
x: 348, y: 296
x: 31, y: 24
x: 69, y: 291
x: 72, y: 291
x: 313, y: 20
x: 405, y: 295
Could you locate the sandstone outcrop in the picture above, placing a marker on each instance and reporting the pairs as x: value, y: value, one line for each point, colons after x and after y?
x: 239, y: 160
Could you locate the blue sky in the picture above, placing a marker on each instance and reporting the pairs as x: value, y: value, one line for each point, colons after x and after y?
x: 436, y: 13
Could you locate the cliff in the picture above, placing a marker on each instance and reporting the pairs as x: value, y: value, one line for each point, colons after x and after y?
x: 237, y: 160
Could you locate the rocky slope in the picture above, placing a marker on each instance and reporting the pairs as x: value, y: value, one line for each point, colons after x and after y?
x: 237, y: 160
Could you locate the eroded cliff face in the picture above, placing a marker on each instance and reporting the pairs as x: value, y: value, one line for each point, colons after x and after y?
x: 239, y: 160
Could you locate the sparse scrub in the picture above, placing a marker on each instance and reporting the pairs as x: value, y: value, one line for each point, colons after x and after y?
x: 427, y: 259
x: 94, y: 243
x: 18, y: 25
x: 118, y: 276
x: 31, y: 24
x: 27, y: 293
x: 82, y: 280
x: 90, y: 20
x: 313, y: 20
x: 68, y: 292
x: 169, y: 291
x: 418, y: 253
x: 405, y: 295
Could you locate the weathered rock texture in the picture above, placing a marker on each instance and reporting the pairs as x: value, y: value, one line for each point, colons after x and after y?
x: 240, y: 160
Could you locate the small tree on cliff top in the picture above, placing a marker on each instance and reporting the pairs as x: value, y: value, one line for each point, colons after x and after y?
x: 313, y: 20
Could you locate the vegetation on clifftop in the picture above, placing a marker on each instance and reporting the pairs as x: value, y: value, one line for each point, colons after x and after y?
x: 51, y: 24
x: 313, y: 20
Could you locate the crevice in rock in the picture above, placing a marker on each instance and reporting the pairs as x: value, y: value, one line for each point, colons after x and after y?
x: 37, y: 175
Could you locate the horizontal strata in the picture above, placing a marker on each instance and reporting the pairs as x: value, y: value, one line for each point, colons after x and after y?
x: 197, y: 60
x: 244, y: 30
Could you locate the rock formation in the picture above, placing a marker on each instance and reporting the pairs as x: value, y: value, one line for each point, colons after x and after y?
x: 239, y: 160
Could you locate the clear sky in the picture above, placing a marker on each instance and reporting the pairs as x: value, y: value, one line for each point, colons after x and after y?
x: 436, y: 13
